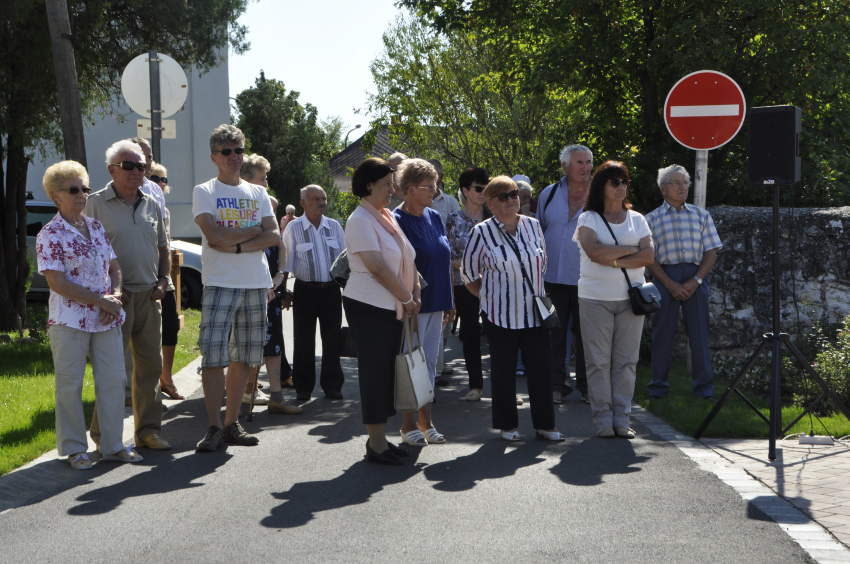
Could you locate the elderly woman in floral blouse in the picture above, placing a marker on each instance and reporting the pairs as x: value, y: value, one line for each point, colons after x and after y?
x: 85, y: 317
x: 458, y: 226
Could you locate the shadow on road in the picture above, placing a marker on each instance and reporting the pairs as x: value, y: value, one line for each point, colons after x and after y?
x: 490, y: 462
x: 587, y: 463
x: 354, y: 486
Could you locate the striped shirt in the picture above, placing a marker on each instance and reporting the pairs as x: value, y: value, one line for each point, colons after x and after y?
x: 682, y: 237
x: 310, y: 252
x: 505, y: 296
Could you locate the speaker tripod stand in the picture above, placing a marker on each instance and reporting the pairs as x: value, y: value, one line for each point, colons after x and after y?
x: 774, y: 339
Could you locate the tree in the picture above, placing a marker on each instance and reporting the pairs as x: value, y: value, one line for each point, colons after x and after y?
x: 622, y: 57
x: 108, y: 34
x: 445, y: 97
x: 289, y: 135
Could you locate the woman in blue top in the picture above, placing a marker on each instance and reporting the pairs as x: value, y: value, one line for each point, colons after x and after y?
x: 424, y: 229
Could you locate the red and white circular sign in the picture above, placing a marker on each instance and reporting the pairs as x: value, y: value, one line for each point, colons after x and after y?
x: 705, y: 110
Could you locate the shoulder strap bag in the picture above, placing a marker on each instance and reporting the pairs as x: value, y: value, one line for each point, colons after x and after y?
x: 544, y: 309
x: 413, y: 389
x: 645, y: 298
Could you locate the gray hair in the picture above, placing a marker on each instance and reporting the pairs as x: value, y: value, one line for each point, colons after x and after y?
x: 123, y: 146
x: 253, y: 164
x: 567, y: 152
x: 523, y: 187
x: 306, y: 189
x: 665, y: 173
x: 290, y: 208
x: 437, y: 165
x: 225, y: 134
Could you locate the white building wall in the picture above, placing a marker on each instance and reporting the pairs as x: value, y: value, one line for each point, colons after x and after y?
x: 187, y: 157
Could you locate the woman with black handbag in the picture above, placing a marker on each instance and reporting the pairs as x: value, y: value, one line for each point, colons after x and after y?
x: 614, y: 240
x: 503, y: 264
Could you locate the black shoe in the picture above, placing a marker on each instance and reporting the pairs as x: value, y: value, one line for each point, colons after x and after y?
x: 303, y: 396
x: 386, y: 457
x: 710, y: 399
x: 442, y: 381
x: 235, y: 434
x: 332, y: 395
x: 211, y: 441
x: 398, y: 451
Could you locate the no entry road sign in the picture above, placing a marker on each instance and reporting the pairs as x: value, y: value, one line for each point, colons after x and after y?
x: 705, y: 110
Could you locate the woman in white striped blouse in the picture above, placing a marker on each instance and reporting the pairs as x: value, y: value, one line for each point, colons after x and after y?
x: 498, y: 251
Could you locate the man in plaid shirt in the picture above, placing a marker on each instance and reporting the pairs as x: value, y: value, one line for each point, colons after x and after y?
x: 686, y: 244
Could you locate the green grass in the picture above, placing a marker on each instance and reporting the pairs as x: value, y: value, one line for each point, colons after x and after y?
x: 27, y: 389
x: 736, y: 420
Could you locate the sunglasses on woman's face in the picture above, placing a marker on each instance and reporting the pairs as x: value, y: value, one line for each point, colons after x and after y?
x: 513, y: 195
x: 616, y: 183
x: 477, y: 187
x: 237, y: 150
x: 130, y: 165
x: 157, y: 179
x: 73, y: 190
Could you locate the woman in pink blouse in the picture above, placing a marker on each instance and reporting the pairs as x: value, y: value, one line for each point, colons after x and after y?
x: 85, y: 317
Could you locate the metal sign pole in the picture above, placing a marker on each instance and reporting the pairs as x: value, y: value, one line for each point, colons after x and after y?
x: 155, y: 109
x: 700, y: 182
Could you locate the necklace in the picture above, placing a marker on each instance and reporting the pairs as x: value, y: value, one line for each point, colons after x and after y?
x: 80, y: 224
x: 616, y: 218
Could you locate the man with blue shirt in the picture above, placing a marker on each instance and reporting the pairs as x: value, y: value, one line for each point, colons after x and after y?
x: 686, y: 243
x: 559, y: 208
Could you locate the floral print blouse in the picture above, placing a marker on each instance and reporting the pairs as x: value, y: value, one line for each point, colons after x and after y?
x: 458, y: 228
x: 62, y: 248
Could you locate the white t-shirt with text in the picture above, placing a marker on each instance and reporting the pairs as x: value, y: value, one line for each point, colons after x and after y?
x: 235, y: 207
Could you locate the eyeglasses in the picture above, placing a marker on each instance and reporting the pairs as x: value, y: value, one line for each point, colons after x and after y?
x: 155, y: 178
x: 477, y: 187
x: 513, y: 194
x: 237, y: 150
x: 130, y: 165
x: 73, y: 190
x: 432, y: 188
x: 616, y: 183
x: 679, y: 183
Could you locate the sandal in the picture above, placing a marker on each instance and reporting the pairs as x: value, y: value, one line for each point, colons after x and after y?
x: 550, y: 435
x: 170, y: 391
x: 413, y: 438
x: 434, y: 437
x: 510, y: 435
x: 473, y: 395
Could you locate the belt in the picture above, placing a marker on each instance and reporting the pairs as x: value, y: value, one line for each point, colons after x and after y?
x: 322, y: 285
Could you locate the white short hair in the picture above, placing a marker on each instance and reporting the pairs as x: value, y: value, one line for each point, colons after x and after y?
x: 123, y: 146
x: 567, y: 152
x: 290, y: 208
x: 307, y: 188
x: 665, y: 173
x: 523, y: 187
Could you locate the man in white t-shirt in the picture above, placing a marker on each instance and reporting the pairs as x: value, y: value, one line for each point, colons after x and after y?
x: 238, y: 224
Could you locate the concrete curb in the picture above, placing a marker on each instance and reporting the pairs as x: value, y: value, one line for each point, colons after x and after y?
x: 49, y: 470
x: 811, y: 536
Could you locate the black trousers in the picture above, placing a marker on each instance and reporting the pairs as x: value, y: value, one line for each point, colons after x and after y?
x: 467, y: 306
x: 378, y: 342
x: 537, y: 357
x: 565, y: 300
x: 309, y: 304
x: 170, y: 319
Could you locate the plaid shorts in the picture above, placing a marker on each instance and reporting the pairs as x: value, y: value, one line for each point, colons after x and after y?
x: 233, y: 326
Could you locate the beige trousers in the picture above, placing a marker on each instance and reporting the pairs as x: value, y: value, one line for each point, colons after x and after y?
x: 70, y: 347
x: 142, y: 332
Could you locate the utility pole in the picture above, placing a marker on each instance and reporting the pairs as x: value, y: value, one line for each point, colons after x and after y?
x: 66, y: 80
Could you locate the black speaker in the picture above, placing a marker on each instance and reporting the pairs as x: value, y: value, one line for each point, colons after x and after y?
x: 773, y: 147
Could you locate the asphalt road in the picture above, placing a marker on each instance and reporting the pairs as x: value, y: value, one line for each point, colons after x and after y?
x: 306, y: 494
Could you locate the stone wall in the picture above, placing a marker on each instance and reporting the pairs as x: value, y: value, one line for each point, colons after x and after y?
x: 742, y: 277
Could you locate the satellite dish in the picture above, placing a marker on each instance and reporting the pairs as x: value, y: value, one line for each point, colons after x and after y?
x: 136, y: 85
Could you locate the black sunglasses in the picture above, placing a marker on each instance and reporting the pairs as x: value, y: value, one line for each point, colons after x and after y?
x: 73, y: 190
x: 130, y: 165
x: 155, y: 178
x: 477, y: 187
x: 513, y: 194
x: 237, y: 150
x: 616, y: 183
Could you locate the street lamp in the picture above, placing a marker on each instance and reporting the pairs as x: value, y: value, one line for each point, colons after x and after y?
x: 345, y: 143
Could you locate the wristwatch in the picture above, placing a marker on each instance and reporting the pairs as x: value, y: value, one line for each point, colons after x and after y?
x: 698, y: 279
x: 281, y: 272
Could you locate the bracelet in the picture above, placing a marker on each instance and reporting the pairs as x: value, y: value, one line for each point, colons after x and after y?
x: 408, y: 301
x: 615, y: 263
x: 162, y: 277
x: 238, y: 248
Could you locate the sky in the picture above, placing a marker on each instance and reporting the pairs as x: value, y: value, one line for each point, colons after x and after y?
x: 321, y: 49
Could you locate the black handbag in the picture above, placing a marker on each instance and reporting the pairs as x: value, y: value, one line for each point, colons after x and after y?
x: 645, y: 298
x: 544, y: 309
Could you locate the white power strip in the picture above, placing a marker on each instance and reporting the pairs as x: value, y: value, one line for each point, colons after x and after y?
x: 816, y: 440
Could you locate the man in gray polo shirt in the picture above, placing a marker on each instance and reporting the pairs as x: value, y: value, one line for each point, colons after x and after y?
x: 135, y: 228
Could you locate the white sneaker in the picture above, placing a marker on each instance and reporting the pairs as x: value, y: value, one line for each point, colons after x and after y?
x: 259, y: 398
